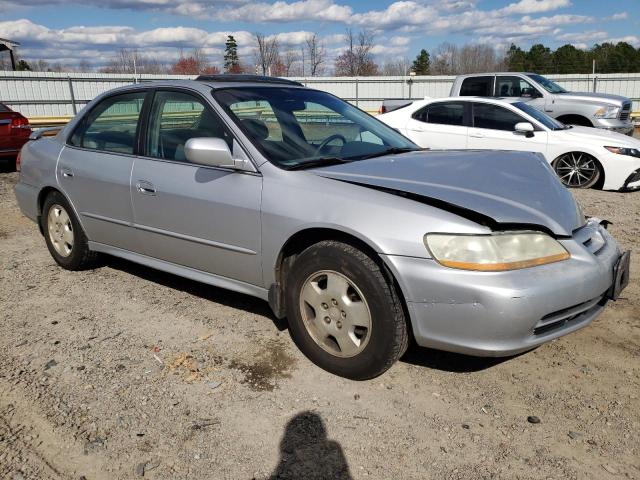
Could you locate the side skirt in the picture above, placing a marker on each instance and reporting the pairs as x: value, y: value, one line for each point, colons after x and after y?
x: 182, y: 271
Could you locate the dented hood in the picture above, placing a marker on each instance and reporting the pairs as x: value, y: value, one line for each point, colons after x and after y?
x: 516, y: 188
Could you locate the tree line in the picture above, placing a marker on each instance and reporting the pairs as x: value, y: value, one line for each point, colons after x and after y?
x: 270, y: 56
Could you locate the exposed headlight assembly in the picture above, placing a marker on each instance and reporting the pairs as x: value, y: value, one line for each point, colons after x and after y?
x: 632, y: 152
x: 495, y: 253
x: 607, y: 112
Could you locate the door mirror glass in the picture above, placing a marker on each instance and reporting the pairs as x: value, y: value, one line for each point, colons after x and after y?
x: 210, y: 151
x: 524, y: 128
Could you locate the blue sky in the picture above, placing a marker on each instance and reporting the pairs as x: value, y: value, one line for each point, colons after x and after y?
x: 94, y: 30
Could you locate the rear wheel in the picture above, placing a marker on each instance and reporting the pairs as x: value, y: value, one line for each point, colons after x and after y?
x: 343, y: 313
x: 64, y: 236
x: 577, y: 170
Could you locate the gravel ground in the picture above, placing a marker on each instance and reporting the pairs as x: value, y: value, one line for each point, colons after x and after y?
x: 123, y: 372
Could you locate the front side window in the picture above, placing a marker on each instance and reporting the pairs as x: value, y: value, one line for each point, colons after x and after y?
x: 477, y: 87
x: 112, y: 125
x: 494, y: 117
x: 445, y: 113
x: 508, y: 86
x: 294, y: 126
x: 175, y: 118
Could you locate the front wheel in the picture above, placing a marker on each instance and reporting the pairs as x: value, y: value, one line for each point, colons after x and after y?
x: 577, y: 170
x: 344, y: 315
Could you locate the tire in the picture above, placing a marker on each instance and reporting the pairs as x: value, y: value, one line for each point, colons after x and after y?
x: 335, y: 335
x: 577, y: 170
x: 66, y: 241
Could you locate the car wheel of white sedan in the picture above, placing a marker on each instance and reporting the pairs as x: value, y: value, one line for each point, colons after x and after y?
x: 577, y: 170
x: 344, y: 313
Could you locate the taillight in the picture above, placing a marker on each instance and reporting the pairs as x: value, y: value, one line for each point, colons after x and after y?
x: 18, y: 161
x: 19, y: 122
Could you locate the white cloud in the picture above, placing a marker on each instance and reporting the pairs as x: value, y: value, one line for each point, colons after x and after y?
x: 534, y: 6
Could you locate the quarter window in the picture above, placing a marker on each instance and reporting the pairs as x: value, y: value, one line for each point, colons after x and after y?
x: 494, y: 117
x: 477, y: 87
x: 445, y: 113
x: 175, y: 118
x: 112, y: 125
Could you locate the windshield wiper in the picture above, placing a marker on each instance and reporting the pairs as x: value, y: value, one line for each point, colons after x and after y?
x: 388, y: 151
x: 317, y: 162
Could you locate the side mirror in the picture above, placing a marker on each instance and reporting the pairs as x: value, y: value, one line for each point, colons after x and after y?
x: 212, y: 152
x: 524, y: 128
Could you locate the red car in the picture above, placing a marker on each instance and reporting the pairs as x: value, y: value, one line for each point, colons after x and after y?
x: 14, y: 132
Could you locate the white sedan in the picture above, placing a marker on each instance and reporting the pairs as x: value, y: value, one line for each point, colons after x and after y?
x: 582, y: 157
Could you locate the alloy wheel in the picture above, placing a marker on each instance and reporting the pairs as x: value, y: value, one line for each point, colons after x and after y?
x: 577, y: 170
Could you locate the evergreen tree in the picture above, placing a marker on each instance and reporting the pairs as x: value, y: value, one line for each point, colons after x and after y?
x: 23, y: 66
x: 516, y: 59
x: 422, y: 63
x: 231, y: 61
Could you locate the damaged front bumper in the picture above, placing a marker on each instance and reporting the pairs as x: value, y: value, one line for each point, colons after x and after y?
x: 505, y: 313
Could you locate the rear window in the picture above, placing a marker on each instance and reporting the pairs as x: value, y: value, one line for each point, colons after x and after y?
x: 4, y: 108
x: 477, y: 87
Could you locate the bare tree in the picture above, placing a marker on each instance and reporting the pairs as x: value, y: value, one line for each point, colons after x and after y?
x: 130, y: 61
x: 449, y: 59
x: 357, y: 58
x: 266, y: 52
x: 316, y: 54
x: 288, y: 59
x: 396, y: 67
x: 84, y: 66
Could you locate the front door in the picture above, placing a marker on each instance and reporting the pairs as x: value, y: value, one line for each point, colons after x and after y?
x: 191, y: 215
x: 493, y: 128
x: 94, y: 169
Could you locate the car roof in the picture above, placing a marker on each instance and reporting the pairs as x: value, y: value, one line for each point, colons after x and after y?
x: 469, y: 98
x: 494, y: 73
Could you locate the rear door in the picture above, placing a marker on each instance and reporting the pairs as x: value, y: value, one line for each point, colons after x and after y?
x: 493, y: 128
x: 94, y: 168
x: 439, y: 125
x: 192, y: 215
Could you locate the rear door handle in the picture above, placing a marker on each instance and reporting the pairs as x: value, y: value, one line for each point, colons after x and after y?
x: 476, y: 135
x: 146, y: 188
x: 67, y: 173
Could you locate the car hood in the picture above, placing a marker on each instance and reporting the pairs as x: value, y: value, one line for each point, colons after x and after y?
x: 617, y: 100
x: 516, y: 189
x: 599, y: 136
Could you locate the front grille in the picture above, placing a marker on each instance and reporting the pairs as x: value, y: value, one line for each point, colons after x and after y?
x: 568, y: 316
x: 625, y: 112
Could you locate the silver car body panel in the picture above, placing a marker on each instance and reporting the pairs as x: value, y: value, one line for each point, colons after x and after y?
x: 228, y: 228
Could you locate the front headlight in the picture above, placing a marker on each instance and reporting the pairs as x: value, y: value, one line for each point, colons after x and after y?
x: 494, y: 253
x: 632, y: 152
x: 607, y: 112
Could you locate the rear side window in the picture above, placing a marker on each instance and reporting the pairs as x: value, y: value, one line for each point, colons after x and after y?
x: 112, y: 125
x: 477, y: 87
x: 445, y: 113
x: 3, y: 108
x: 494, y: 117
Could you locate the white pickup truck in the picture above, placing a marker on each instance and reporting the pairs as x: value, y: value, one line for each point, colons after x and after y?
x: 600, y: 110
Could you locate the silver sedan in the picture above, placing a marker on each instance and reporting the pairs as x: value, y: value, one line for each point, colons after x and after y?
x: 361, y: 239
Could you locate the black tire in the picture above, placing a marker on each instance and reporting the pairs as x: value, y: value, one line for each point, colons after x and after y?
x: 80, y: 257
x: 589, y: 170
x: 388, y: 336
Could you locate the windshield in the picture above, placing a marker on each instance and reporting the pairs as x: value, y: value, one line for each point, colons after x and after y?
x: 543, y: 118
x: 296, y: 127
x: 548, y: 85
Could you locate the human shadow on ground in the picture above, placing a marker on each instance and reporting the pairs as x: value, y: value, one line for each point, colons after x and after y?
x: 307, y: 453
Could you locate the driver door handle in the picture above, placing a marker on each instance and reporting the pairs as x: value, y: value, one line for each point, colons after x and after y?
x: 476, y: 134
x: 145, y: 188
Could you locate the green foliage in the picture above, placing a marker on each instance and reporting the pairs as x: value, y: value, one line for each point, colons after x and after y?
x: 231, y: 60
x: 22, y: 65
x: 609, y: 58
x: 422, y: 63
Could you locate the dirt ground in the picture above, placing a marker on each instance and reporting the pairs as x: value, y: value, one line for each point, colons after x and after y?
x: 123, y: 372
